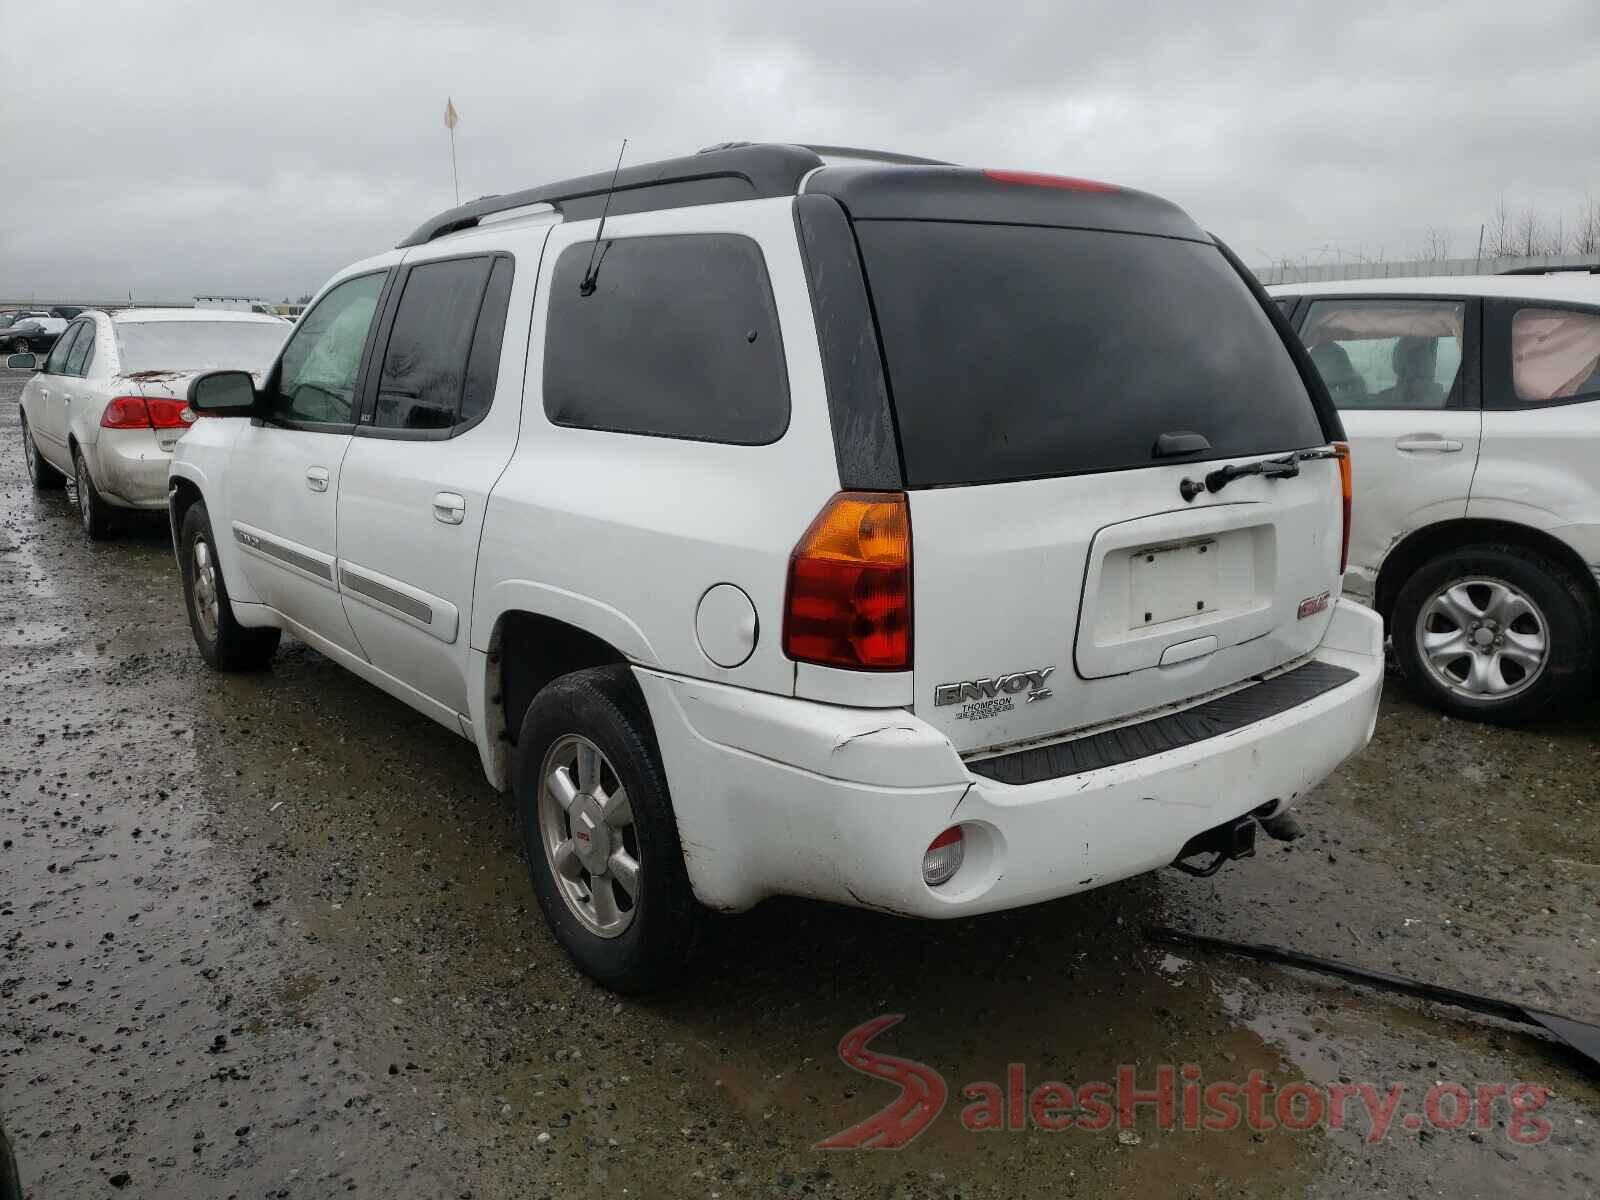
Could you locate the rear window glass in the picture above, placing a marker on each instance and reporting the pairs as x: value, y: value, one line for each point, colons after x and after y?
x: 1017, y: 352
x: 196, y: 345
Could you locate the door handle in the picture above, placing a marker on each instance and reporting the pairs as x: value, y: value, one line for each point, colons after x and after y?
x: 317, y: 478
x: 1437, y: 445
x: 449, y: 508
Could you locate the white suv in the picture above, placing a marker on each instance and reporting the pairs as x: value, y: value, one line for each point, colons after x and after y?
x: 1473, y: 408
x: 897, y: 534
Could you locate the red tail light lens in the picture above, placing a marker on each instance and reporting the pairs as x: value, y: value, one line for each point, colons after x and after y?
x: 1342, y: 451
x: 168, y: 414
x: 1064, y: 182
x: 137, y: 412
x: 849, y: 597
x: 126, y: 412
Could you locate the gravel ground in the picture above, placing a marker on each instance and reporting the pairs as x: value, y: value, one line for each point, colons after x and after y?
x: 272, y: 936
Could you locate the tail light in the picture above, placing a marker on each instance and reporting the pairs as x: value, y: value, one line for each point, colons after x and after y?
x: 849, y: 596
x: 166, y: 413
x: 137, y: 412
x: 1341, y: 451
x: 942, y: 859
x: 126, y: 412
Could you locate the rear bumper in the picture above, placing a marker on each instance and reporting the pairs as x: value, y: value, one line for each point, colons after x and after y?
x: 130, y: 469
x: 781, y: 796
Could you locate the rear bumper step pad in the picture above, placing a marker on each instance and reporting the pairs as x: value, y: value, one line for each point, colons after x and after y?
x: 1171, y: 732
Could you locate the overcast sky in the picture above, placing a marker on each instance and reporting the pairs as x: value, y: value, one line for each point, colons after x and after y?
x: 254, y: 148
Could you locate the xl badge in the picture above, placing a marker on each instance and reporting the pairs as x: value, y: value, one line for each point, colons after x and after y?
x: 997, y: 687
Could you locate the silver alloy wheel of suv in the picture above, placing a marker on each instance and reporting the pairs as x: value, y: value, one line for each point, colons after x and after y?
x: 586, y: 826
x: 1483, y: 638
x: 204, y: 584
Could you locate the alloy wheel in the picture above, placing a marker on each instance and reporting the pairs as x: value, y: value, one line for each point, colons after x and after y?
x: 80, y: 479
x: 1483, y: 639
x: 203, y: 584
x: 586, y: 828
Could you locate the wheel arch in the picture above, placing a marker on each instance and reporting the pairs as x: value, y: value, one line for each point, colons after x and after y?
x: 527, y: 650
x: 1418, y: 547
x: 182, y: 495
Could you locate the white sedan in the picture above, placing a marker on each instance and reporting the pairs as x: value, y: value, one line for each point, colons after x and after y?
x: 108, y: 404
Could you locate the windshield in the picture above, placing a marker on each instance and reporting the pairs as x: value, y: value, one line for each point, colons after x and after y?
x: 1020, y: 352
x: 199, y: 345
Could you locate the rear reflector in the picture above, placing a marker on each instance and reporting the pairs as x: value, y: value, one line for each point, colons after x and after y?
x: 1342, y: 451
x: 125, y: 412
x: 942, y: 859
x: 1065, y: 182
x: 849, y: 596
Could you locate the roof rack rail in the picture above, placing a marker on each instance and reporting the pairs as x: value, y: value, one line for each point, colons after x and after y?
x: 1575, y: 268
x: 714, y: 176
x: 856, y: 153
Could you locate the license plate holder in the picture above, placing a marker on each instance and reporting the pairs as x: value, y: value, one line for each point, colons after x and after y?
x: 1169, y: 583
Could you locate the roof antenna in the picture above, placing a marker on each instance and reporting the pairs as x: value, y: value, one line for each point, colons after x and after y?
x: 586, y: 288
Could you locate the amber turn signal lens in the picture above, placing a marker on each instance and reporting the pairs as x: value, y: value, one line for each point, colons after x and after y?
x: 849, y: 595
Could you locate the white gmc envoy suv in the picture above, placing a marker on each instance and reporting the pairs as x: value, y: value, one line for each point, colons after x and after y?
x: 790, y: 520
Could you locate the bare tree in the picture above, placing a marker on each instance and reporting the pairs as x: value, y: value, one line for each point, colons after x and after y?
x: 1500, y: 238
x: 1435, y: 245
x: 1586, y: 234
x: 1534, y: 235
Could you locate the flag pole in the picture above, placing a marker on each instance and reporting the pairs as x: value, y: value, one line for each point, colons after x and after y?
x: 453, y: 173
x: 450, y: 119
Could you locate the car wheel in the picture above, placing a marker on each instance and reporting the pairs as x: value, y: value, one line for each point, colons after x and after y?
x: 601, y: 837
x: 41, y: 474
x: 225, y: 644
x: 1494, y: 633
x: 10, y: 1181
x: 94, y: 513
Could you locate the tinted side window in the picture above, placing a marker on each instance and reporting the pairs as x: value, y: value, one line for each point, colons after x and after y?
x: 56, y: 364
x: 425, y: 364
x: 1388, y: 353
x: 679, y: 339
x: 82, y: 352
x: 317, y: 373
x: 483, y: 365
x: 1555, y: 354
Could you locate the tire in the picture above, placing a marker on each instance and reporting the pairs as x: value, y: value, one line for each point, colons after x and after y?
x: 10, y: 1181
x: 652, y: 932
x: 1541, y: 615
x: 225, y: 644
x: 94, y: 513
x: 43, y: 476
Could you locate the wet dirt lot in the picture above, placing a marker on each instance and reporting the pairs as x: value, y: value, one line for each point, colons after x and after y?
x: 272, y: 936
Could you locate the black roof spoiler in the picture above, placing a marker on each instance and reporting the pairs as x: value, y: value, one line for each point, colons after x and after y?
x: 868, y: 183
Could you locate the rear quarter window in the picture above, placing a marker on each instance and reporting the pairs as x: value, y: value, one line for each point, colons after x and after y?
x: 679, y: 339
x: 1019, y: 352
x: 1555, y: 355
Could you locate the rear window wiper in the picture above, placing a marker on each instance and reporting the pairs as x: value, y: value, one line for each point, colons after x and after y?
x: 1286, y: 467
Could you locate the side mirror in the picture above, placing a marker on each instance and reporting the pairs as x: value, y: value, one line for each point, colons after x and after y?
x: 23, y: 362
x: 223, y: 394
